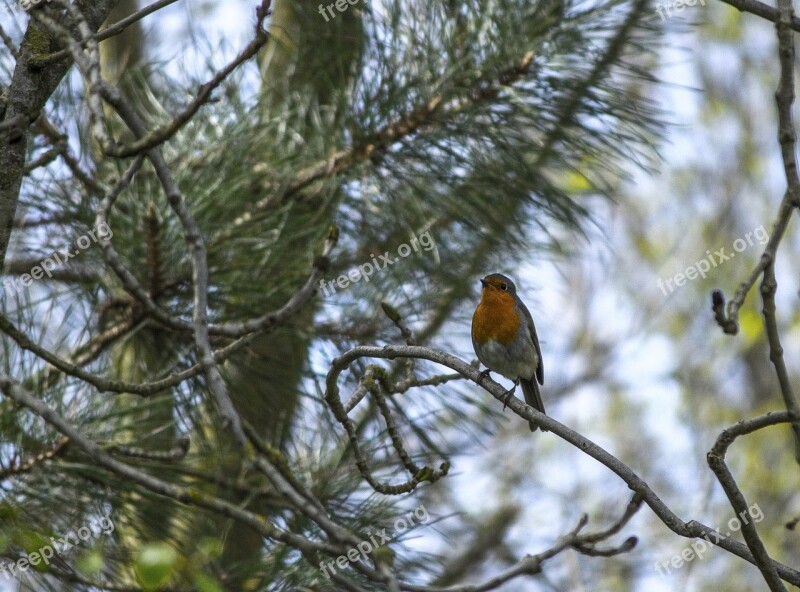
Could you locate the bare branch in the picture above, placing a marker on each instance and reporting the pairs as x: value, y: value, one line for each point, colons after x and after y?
x: 18, y: 468
x: 9, y: 43
x: 30, y: 89
x: 769, y: 286
x: 532, y: 564
x: 716, y: 460
x: 191, y: 496
x: 784, y: 97
x: 763, y: 10
x: 181, y: 494
x: 111, y: 30
x: 691, y: 529
x: 121, y: 25
x: 164, y: 133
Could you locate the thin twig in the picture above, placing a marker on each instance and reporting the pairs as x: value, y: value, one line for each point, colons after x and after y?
x: 763, y: 10
x: 716, y: 460
x: 18, y: 468
x: 92, y: 185
x: 9, y: 43
x: 769, y: 287
x: 784, y: 98
x: 109, y: 31
x: 165, y: 132
x: 691, y: 529
x: 185, y: 495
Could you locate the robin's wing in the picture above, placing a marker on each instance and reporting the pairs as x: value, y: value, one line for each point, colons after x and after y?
x: 532, y: 327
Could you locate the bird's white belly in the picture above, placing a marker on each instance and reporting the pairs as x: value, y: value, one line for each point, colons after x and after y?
x: 511, y: 363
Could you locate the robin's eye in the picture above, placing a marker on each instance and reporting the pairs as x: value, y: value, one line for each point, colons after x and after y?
x: 504, y: 286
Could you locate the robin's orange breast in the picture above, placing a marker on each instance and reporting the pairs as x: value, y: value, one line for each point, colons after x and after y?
x: 496, y: 318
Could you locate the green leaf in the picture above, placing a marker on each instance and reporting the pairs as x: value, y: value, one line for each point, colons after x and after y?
x: 155, y: 565
x: 575, y: 182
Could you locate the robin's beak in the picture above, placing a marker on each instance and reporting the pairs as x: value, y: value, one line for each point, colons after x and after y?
x: 483, y: 283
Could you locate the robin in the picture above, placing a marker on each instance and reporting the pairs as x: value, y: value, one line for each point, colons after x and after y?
x: 504, y: 338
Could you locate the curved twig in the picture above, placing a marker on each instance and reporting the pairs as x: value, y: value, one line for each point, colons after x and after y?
x: 716, y: 460
x: 691, y: 529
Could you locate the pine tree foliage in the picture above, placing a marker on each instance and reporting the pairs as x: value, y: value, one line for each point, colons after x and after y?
x: 472, y: 131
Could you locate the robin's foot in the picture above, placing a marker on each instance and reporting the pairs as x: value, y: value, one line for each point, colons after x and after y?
x: 482, y: 375
x: 509, y: 394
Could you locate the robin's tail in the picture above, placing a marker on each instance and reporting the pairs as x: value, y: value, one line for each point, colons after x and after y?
x: 533, y: 398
